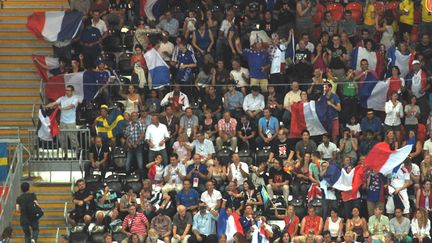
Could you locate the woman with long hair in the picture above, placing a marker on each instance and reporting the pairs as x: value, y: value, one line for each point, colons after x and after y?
x: 420, y: 226
x: 412, y: 114
x: 424, y: 196
x: 133, y: 100
x: 319, y: 58
x: 334, y: 224
x: 358, y: 225
x: 426, y: 168
x: 395, y: 81
x: 394, y: 113
x: 212, y: 23
x: 345, y: 42
x: 202, y: 41
x: 301, y: 173
x: 182, y: 148
x: 218, y: 173
x: 252, y: 196
x: 385, y: 25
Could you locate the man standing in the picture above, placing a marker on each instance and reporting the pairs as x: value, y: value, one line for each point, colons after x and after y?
x: 98, y: 156
x: 67, y: 104
x: 135, y: 132
x: 156, y: 136
x: 227, y: 131
x: 29, y: 225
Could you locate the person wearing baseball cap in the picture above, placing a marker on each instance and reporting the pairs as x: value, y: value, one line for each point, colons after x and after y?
x: 416, y: 84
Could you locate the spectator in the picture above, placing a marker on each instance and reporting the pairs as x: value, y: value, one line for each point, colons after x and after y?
x: 376, y: 191
x: 306, y: 145
x: 329, y: 25
x: 239, y: 75
x: 425, y: 168
x: 135, y: 223
x: 182, y: 224
x: 82, y: 199
x: 334, y: 224
x: 166, y: 47
x: 232, y: 199
x: 281, y: 149
x: 378, y: 224
x: 268, y: 128
x: 209, y: 126
x: 174, y: 174
x: 183, y: 149
x: 327, y: 149
x: 204, y: 225
x: 185, y: 63
x: 163, y: 226
x: 156, y: 136
x: 278, y: 181
x: 412, y: 113
x: 400, y: 227
x: 406, y: 21
x: 177, y: 100
x: 188, y: 197
x: 204, y: 148
x: 213, y: 102
x: 399, y: 183
x: 100, y: 5
x: 133, y: 99
x: 67, y: 104
x: 211, y: 197
x: 423, y: 195
x: 156, y: 170
x: 29, y: 225
x: 372, y: 123
x: 128, y: 199
x: 233, y: 101
x: 246, y: 132
x: 259, y: 227
x: 416, y: 85
x: 357, y: 225
x: 197, y: 173
x: 169, y: 24
x: 291, y: 221
x: 253, y: 103
x: 106, y: 204
x: 90, y: 39
x: 202, y: 40
x: 189, y: 124
x: 291, y: 97
x: 237, y: 171
x: 420, y: 226
x: 152, y: 103
x: 98, y: 156
x: 218, y: 173
x: 82, y: 6
x: 226, y: 128
x: 394, y: 113
x: 277, y: 54
x: 99, y: 23
x: 172, y: 124
x: 348, y: 145
x: 311, y: 224
x: 135, y: 133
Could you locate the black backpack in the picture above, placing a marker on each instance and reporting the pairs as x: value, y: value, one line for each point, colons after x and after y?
x: 34, y: 211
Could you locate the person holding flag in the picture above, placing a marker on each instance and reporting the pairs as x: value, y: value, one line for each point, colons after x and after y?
x: 261, y: 231
x: 67, y: 104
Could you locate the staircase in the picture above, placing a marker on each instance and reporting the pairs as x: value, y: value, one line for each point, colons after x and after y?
x: 51, y: 198
x: 19, y: 82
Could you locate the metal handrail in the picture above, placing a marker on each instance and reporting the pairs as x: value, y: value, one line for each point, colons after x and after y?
x: 57, y: 235
x: 33, y: 115
x: 65, y: 213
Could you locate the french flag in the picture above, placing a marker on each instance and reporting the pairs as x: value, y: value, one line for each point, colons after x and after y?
x: 259, y: 235
x: 85, y: 84
x: 374, y: 58
x: 402, y: 61
x: 153, y: 9
x: 44, y: 64
x: 228, y: 225
x: 373, y: 93
x: 48, y: 125
x: 158, y: 69
x: 350, y: 180
x: 382, y: 159
x: 311, y: 116
x: 55, y: 25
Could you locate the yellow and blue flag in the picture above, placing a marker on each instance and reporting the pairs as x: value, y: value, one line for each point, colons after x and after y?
x: 4, y: 165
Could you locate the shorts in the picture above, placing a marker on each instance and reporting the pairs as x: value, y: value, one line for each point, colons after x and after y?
x: 396, y: 128
x: 78, y: 216
x: 335, y: 127
x: 263, y: 82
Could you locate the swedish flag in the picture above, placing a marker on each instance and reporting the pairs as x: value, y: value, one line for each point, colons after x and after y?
x: 4, y: 165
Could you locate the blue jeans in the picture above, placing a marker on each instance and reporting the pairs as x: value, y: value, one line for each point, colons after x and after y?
x: 30, y: 229
x: 135, y: 154
x: 152, y: 154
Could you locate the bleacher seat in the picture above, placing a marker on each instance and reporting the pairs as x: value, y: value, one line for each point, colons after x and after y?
x: 336, y: 10
x: 113, y: 42
x: 356, y: 10
x: 114, y: 183
x: 97, y: 234
x: 110, y: 60
x: 93, y: 182
x: 224, y: 156
x: 246, y: 156
x: 119, y: 158
x: 261, y: 155
x: 78, y: 234
x: 128, y: 40
x: 124, y: 64
x: 134, y: 182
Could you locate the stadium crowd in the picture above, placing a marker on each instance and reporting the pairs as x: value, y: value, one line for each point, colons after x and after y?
x: 216, y: 155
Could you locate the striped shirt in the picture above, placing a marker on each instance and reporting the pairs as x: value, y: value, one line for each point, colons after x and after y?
x: 227, y: 127
x: 137, y: 224
x: 177, y: 50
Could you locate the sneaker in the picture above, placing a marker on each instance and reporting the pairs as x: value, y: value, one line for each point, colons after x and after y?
x: 33, y: 241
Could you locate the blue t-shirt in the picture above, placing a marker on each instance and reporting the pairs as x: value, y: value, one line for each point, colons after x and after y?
x: 268, y: 125
x: 90, y: 35
x: 188, y: 199
x: 202, y: 168
x: 185, y: 74
x: 376, y: 185
x: 332, y: 112
x: 256, y: 60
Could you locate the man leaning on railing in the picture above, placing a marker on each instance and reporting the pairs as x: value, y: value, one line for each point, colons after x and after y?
x: 67, y: 104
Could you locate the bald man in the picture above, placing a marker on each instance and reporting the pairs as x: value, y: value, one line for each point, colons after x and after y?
x: 182, y: 223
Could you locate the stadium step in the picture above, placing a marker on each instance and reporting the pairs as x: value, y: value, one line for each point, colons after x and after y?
x: 51, y: 198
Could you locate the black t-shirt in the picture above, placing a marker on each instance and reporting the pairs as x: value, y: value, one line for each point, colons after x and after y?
x: 213, y: 103
x: 281, y: 150
x: 269, y: 26
x: 98, y: 153
x: 279, y: 175
x: 81, y: 195
x: 246, y: 129
x: 25, y: 200
x: 335, y: 61
x: 232, y: 202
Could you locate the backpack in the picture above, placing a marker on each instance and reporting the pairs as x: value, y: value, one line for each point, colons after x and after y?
x: 34, y: 211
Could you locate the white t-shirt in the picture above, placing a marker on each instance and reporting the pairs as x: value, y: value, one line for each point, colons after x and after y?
x: 68, y: 116
x: 236, y: 173
x: 278, y: 58
x: 398, y: 179
x: 238, y: 78
x: 156, y: 134
x: 211, y: 200
x: 101, y: 26
x: 327, y: 152
x: 175, y: 178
